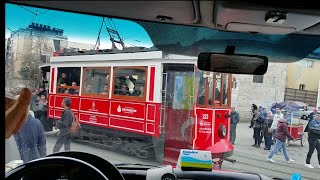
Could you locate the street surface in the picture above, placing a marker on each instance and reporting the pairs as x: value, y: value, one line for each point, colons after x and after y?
x: 249, y: 159
x: 252, y: 159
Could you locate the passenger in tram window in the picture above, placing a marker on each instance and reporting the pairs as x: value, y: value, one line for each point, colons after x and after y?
x: 88, y: 89
x: 124, y: 91
x: 217, y: 94
x: 105, y: 89
x: 117, y: 85
x: 61, y: 90
x: 73, y: 90
x: 63, y: 79
x: 141, y: 91
x: 136, y: 92
x: 67, y: 91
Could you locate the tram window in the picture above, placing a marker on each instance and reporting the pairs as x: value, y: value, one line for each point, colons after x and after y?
x: 96, y: 81
x: 225, y: 89
x: 44, y: 79
x: 68, y: 80
x: 218, y: 86
x: 129, y: 81
x: 210, y: 88
x: 202, y: 88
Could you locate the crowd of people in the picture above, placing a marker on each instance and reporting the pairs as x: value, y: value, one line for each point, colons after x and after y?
x: 274, y: 129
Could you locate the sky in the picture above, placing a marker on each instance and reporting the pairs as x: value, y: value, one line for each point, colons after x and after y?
x: 77, y: 27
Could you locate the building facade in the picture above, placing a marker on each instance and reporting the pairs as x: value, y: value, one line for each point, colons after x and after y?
x: 260, y: 90
x: 304, y: 74
x: 34, y: 44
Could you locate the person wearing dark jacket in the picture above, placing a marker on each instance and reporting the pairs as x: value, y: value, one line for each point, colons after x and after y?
x: 254, y: 108
x: 31, y: 140
x: 281, y: 134
x: 234, y: 121
x: 313, y: 129
x: 257, y: 126
x: 64, y: 137
x: 267, y: 131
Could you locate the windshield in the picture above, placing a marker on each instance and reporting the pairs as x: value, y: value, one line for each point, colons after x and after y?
x: 138, y: 96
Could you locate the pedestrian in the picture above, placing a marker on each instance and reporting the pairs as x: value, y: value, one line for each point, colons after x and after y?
x: 276, y: 119
x: 31, y: 140
x: 257, y: 126
x: 311, y: 115
x: 43, y: 108
x: 267, y: 131
x: 281, y: 135
x: 64, y: 137
x: 264, y: 115
x: 253, y: 109
x: 313, y: 129
x: 235, y: 118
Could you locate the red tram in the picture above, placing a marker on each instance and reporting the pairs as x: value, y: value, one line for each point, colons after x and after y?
x: 143, y: 102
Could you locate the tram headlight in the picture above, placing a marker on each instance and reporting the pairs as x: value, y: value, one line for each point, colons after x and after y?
x: 222, y: 131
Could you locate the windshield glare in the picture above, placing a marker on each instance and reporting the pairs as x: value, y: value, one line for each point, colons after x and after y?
x: 138, y: 96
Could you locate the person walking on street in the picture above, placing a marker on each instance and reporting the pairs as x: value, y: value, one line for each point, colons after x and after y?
x: 280, y: 135
x: 235, y: 118
x: 267, y: 131
x: 31, y: 140
x: 257, y: 126
x: 313, y: 130
x: 64, y: 137
x: 276, y: 119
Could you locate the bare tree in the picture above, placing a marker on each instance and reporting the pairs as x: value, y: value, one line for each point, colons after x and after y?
x: 29, y: 69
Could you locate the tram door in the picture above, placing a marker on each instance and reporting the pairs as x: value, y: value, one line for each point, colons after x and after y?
x: 177, y: 109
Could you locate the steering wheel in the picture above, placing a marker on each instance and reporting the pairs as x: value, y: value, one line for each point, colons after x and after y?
x: 56, y: 168
x: 103, y: 165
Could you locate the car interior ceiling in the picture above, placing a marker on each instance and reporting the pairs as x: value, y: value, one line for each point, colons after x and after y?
x: 230, y: 20
x: 249, y: 15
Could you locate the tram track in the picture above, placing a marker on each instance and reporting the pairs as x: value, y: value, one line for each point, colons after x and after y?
x: 248, y: 163
x: 124, y: 145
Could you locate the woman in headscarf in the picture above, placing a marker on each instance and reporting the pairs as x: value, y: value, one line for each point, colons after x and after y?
x: 267, y: 131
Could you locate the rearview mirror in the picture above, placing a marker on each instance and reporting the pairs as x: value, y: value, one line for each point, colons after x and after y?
x: 233, y: 63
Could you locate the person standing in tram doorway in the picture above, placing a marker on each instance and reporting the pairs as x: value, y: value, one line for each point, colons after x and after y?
x: 64, y: 137
x: 235, y: 118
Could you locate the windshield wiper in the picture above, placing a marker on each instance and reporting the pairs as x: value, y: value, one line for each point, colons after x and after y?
x: 134, y: 164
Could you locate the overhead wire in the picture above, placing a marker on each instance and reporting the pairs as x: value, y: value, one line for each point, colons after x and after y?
x: 27, y: 10
x: 98, y: 39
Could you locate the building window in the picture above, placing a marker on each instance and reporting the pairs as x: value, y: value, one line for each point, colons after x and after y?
x: 68, y: 80
x: 129, y: 82
x: 258, y: 78
x: 95, y: 81
x: 302, y: 86
x: 310, y: 64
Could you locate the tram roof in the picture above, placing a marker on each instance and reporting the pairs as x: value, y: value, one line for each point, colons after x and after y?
x: 131, y: 53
